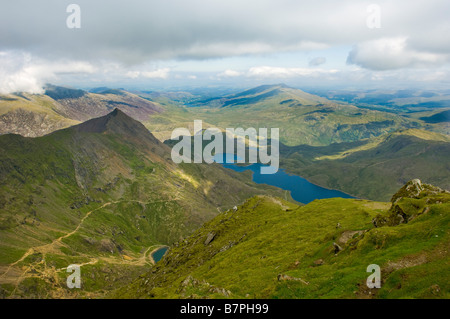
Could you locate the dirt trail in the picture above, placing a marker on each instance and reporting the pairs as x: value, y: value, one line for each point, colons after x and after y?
x: 46, y: 248
x: 39, y: 269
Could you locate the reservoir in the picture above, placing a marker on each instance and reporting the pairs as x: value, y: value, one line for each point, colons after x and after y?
x: 159, y: 254
x: 301, y: 190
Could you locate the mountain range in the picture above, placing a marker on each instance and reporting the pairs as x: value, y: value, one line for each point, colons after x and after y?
x: 39, y: 114
x: 86, y: 178
x: 103, y: 193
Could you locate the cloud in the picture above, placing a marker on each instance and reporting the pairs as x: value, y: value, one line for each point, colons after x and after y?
x: 393, y: 53
x: 136, y: 31
x: 20, y: 72
x: 126, y: 40
x: 279, y: 72
x: 229, y: 74
x: 317, y: 61
x: 156, y: 74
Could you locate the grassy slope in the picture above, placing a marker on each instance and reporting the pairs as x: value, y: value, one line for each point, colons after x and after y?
x: 102, y: 198
x: 374, y: 168
x: 369, y: 168
x: 272, y: 249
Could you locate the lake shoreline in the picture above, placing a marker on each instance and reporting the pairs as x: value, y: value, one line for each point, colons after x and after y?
x: 155, y: 251
x: 301, y: 189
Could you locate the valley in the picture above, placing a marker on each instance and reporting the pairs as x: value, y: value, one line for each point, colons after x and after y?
x: 100, y: 194
x: 89, y: 180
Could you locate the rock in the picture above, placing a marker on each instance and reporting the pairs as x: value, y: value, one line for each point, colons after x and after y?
x: 402, y: 211
x: 337, y: 248
x: 412, y: 189
x: 90, y: 240
x: 319, y: 262
x: 209, y: 238
x: 435, y: 289
x: 415, y: 189
x: 347, y: 235
x: 226, y: 247
x: 221, y: 291
x: 188, y: 281
x: 107, y: 245
x: 283, y: 277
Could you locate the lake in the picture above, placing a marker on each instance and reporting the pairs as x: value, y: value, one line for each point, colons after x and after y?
x: 159, y: 254
x: 301, y: 190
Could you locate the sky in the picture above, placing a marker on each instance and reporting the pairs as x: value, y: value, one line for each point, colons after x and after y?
x: 174, y: 43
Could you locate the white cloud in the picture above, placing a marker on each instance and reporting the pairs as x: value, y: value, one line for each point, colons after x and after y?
x: 127, y: 40
x: 20, y: 72
x: 133, y: 74
x: 393, y: 53
x: 229, y: 74
x: 156, y: 74
x: 280, y: 72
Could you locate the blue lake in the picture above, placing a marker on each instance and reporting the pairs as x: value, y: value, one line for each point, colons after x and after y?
x: 159, y: 254
x: 301, y: 190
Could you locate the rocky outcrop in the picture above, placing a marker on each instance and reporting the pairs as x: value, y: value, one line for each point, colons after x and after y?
x: 409, y: 202
x: 209, y: 238
x: 30, y: 124
x: 202, y: 285
x: 283, y: 277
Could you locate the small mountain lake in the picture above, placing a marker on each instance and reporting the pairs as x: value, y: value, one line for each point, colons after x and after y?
x: 159, y: 254
x: 301, y: 190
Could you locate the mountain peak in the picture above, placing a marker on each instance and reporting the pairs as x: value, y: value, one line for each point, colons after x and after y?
x: 60, y: 92
x: 116, y: 112
x: 114, y: 122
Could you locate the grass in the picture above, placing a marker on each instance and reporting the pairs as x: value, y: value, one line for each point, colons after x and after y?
x: 75, y: 196
x: 262, y: 241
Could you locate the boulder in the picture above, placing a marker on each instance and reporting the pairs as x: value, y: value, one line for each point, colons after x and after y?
x: 209, y: 238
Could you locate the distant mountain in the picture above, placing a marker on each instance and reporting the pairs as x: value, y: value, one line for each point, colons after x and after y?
x: 36, y: 115
x: 440, y: 117
x: 81, y: 105
x: 105, y: 194
x: 302, y: 118
x: 268, y: 248
x: 393, y: 100
x: 264, y: 93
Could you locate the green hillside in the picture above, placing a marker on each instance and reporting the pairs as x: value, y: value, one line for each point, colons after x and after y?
x: 373, y: 168
x: 103, y: 194
x: 302, y: 118
x: 269, y: 248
